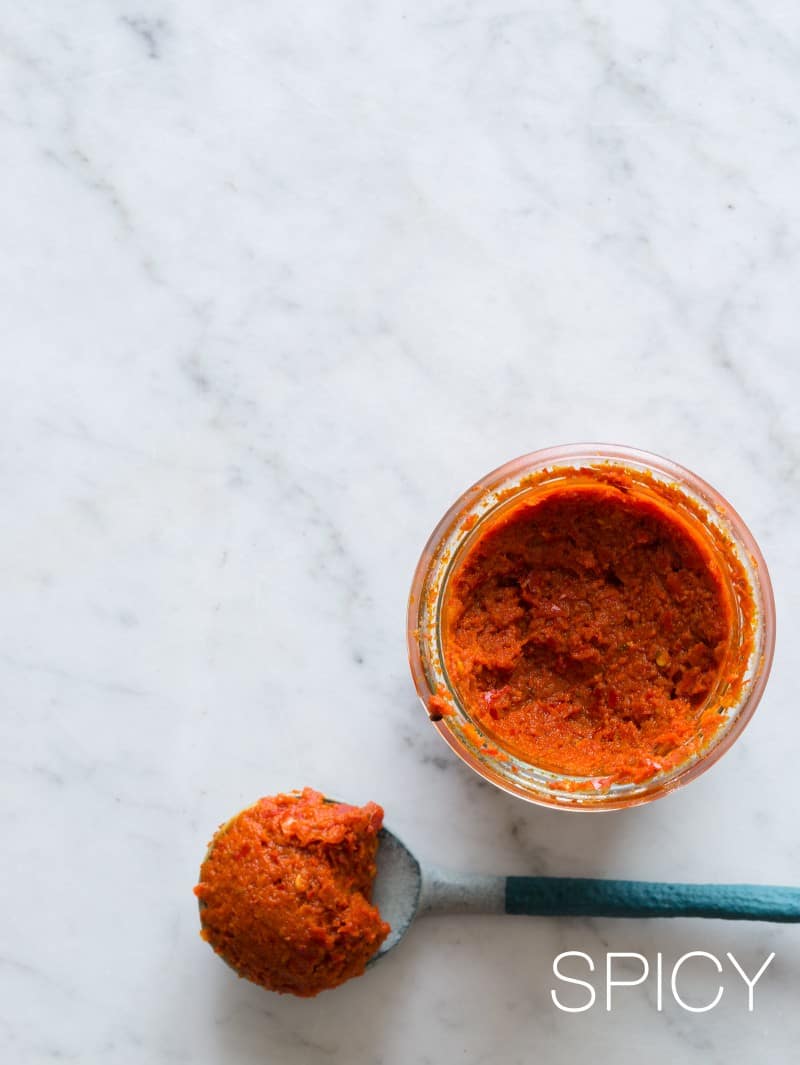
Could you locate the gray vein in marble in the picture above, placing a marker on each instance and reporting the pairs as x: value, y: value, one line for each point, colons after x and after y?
x: 150, y: 31
x: 51, y: 669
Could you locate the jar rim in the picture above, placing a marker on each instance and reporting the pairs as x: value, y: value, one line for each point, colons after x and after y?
x: 429, y: 585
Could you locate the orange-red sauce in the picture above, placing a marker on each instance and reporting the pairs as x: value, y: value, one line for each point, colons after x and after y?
x: 285, y: 892
x: 586, y: 629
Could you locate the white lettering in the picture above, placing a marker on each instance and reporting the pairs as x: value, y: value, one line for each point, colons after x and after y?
x: 660, y: 982
x: 750, y: 983
x: 623, y: 983
x: 620, y: 965
x: 676, y: 970
x: 571, y: 980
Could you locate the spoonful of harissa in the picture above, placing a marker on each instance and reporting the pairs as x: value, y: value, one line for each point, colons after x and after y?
x: 300, y: 893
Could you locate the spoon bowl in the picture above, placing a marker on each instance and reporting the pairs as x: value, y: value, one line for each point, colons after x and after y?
x: 397, y: 889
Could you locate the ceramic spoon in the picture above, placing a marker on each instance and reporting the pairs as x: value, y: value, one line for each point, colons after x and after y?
x: 404, y: 890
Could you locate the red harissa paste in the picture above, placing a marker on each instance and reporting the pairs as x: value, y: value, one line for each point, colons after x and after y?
x: 285, y: 892
x: 586, y: 628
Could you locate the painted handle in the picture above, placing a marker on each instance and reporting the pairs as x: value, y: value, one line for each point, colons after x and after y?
x: 563, y: 896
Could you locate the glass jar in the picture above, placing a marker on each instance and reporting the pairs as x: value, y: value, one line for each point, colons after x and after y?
x: 714, y: 522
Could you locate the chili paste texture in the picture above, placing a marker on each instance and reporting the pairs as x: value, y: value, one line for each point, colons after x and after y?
x: 285, y: 892
x: 586, y: 629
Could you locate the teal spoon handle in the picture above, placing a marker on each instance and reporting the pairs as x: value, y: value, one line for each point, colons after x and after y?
x: 544, y: 896
x: 636, y: 898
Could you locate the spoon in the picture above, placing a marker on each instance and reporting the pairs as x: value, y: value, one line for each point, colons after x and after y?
x: 404, y: 890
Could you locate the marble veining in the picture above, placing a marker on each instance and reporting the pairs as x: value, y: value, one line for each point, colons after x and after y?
x: 279, y: 283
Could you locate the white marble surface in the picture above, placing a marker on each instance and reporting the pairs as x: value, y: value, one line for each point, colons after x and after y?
x: 279, y: 280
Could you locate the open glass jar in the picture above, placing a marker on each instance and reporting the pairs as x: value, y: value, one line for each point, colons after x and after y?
x: 697, y: 506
